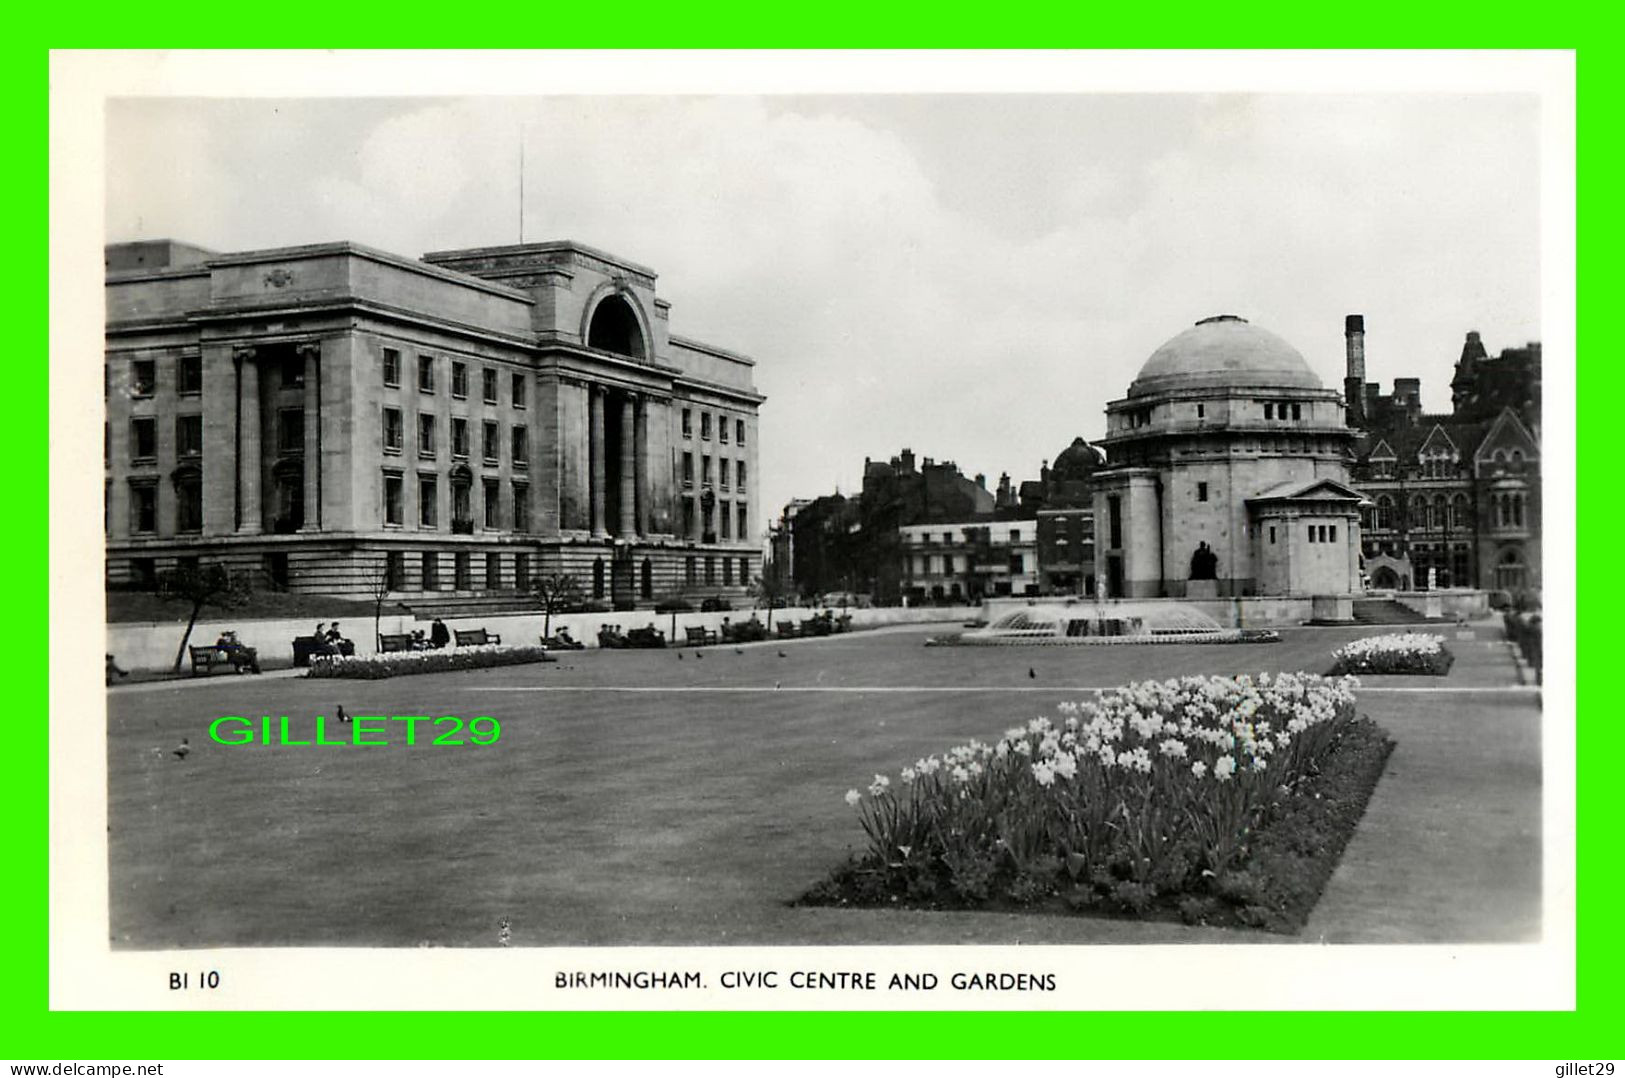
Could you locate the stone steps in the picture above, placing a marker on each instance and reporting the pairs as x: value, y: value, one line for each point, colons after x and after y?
x: 1386, y: 612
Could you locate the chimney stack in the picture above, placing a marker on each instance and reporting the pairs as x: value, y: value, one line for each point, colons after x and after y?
x: 1354, y: 380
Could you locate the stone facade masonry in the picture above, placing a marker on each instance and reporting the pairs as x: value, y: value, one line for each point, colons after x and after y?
x: 323, y: 457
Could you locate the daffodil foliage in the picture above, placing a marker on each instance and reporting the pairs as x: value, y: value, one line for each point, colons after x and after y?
x: 1154, y: 786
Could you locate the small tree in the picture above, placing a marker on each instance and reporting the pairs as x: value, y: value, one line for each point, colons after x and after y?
x: 207, y: 585
x: 769, y: 588
x: 555, y: 591
x: 378, y: 587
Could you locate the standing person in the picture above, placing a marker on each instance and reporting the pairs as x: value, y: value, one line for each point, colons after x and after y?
x: 439, y: 635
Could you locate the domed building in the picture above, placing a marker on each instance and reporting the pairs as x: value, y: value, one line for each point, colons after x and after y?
x: 1228, y: 474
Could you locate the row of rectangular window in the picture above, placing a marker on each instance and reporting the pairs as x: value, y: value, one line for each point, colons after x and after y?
x: 462, y: 570
x: 705, y: 427
x: 1278, y: 410
x: 290, y: 436
x: 144, y: 506
x: 491, y: 447
x: 948, y: 537
x: 461, y: 497
x: 723, y: 518
x: 459, y: 378
x: 1018, y: 564
x: 740, y: 474
x: 144, y: 438
x: 144, y: 377
x: 691, y: 566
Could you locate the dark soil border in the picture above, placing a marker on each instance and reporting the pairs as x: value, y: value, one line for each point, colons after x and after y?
x: 1291, y: 857
x: 1435, y: 665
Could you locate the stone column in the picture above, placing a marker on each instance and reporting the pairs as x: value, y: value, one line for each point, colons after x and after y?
x: 249, y: 497
x: 641, y: 469
x: 595, y: 435
x: 312, y: 353
x: 628, y: 517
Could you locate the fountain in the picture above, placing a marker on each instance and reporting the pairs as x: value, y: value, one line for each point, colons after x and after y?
x: 1119, y: 622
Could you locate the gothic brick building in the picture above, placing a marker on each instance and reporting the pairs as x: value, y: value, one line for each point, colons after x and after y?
x: 459, y: 423
x: 1455, y: 497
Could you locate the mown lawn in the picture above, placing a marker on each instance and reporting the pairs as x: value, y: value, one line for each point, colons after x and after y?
x: 639, y: 797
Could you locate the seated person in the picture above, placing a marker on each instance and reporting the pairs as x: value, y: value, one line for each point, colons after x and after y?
x: 335, y: 640
x: 240, y: 654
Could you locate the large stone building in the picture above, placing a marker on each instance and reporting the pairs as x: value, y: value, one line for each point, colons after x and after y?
x: 1455, y: 498
x: 1228, y: 474
x: 459, y: 423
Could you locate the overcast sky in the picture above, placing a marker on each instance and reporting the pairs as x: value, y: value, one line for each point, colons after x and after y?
x: 971, y: 276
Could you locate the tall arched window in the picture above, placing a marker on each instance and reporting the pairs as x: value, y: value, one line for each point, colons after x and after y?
x: 1419, y: 511
x: 1460, y: 513
x: 1385, y: 511
x: 1517, y: 510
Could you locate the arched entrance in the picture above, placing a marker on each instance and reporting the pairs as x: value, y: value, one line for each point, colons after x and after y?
x: 615, y: 328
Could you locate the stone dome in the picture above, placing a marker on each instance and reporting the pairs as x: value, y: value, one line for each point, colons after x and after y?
x: 1079, y: 460
x: 1220, y: 353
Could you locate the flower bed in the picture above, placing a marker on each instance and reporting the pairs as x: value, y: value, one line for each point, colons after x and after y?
x: 1147, y: 802
x: 397, y: 663
x: 1394, y: 653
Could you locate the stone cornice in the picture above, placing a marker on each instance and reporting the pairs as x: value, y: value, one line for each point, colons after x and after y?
x: 365, y: 306
x: 692, y: 345
x: 356, y: 250
x: 749, y: 396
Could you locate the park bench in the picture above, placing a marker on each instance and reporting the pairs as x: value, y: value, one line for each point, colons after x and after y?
x: 212, y: 655
x: 786, y: 630
x: 394, y: 642
x: 475, y: 637
x: 307, y: 647
x: 699, y: 636
x: 648, y: 637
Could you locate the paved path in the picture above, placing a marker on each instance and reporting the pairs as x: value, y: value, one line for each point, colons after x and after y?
x: 1449, y: 850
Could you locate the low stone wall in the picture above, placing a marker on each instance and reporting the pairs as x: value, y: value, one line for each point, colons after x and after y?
x: 151, y: 645
x: 1452, y: 603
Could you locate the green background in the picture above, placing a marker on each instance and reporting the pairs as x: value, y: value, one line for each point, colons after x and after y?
x: 36, y: 1033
